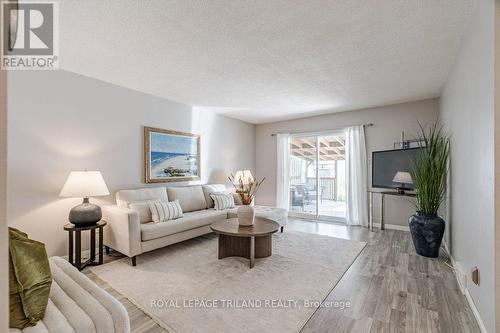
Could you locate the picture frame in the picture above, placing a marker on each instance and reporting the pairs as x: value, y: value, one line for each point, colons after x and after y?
x: 171, y: 156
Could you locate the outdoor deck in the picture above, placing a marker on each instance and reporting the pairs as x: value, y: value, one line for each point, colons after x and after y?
x: 326, y: 208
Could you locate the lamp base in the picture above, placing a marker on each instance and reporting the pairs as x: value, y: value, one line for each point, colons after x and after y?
x: 401, y: 190
x: 85, y: 214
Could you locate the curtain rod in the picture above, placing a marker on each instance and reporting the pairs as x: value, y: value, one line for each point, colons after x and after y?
x: 325, y: 131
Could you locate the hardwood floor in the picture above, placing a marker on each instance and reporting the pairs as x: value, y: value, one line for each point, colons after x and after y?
x: 389, y: 287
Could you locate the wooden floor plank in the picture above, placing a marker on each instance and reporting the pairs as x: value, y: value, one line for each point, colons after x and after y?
x: 406, y: 293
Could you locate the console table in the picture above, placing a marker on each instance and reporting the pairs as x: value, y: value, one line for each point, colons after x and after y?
x: 382, y: 205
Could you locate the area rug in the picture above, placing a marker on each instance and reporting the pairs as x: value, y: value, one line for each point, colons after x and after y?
x: 185, y: 288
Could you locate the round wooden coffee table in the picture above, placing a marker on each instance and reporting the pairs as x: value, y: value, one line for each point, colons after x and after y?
x: 250, y: 242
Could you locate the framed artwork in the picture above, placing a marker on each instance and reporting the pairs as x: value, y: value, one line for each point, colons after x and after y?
x: 170, y: 156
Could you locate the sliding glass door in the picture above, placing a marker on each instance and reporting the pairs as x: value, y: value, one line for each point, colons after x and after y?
x: 317, y: 176
x: 303, y: 175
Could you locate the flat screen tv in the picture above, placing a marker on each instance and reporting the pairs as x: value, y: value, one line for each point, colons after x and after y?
x: 386, y: 163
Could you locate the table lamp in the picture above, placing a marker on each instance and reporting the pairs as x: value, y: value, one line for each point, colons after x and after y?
x: 245, y: 176
x: 84, y: 184
x: 402, y: 178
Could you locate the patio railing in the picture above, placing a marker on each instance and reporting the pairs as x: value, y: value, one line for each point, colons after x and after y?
x: 328, y: 186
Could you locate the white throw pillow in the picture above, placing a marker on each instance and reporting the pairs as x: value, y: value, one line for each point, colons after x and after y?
x: 143, y: 209
x: 162, y: 211
x: 222, y: 200
x: 212, y: 188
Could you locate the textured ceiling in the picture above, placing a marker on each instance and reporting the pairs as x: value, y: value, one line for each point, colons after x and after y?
x: 267, y: 60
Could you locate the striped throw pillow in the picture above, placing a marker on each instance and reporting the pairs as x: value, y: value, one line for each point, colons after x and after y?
x: 222, y: 200
x: 162, y: 211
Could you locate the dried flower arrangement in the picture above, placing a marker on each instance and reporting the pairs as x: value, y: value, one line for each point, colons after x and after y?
x: 246, y: 187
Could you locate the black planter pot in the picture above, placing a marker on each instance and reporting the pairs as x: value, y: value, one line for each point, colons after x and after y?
x: 427, y: 234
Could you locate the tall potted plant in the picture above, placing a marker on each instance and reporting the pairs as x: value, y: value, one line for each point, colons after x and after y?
x: 429, y: 172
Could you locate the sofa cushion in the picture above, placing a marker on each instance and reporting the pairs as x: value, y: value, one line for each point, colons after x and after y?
x: 191, y: 198
x: 212, y: 188
x: 189, y: 221
x: 124, y: 197
x: 77, y: 304
x: 274, y: 214
x: 222, y: 200
x: 142, y: 208
x: 162, y: 211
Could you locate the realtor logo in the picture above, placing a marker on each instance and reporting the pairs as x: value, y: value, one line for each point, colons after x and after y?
x: 30, y: 35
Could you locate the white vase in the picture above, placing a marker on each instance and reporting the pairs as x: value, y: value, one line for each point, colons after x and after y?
x: 246, y: 215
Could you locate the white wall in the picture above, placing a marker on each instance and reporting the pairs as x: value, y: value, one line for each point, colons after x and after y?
x: 467, y: 110
x: 4, y: 298
x: 497, y: 166
x: 60, y: 121
x: 388, y: 122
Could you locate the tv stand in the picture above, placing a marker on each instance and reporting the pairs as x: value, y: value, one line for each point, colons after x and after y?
x: 382, y: 205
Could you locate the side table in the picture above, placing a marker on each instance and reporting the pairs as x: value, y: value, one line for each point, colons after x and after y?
x: 76, y: 233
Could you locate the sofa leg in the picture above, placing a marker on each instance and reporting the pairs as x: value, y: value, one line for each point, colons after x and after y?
x: 106, y: 248
x: 132, y: 259
x: 281, y: 228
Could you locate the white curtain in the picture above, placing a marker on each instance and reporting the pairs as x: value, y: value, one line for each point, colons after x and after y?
x: 283, y: 170
x: 356, y: 176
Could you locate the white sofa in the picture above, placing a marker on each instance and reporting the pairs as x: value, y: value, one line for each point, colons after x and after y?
x: 76, y: 304
x: 132, y: 232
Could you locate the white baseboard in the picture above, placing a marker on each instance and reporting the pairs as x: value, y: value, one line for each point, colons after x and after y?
x: 475, y: 311
x: 467, y: 294
x: 455, y: 269
x: 392, y: 227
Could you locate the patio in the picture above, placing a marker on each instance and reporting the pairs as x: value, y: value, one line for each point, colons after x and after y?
x: 317, y: 172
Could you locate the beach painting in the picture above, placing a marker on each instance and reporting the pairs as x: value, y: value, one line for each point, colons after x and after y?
x: 170, y: 155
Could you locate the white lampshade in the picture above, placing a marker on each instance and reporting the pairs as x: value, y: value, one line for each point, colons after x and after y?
x: 402, y: 178
x: 84, y: 184
x: 244, y: 175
